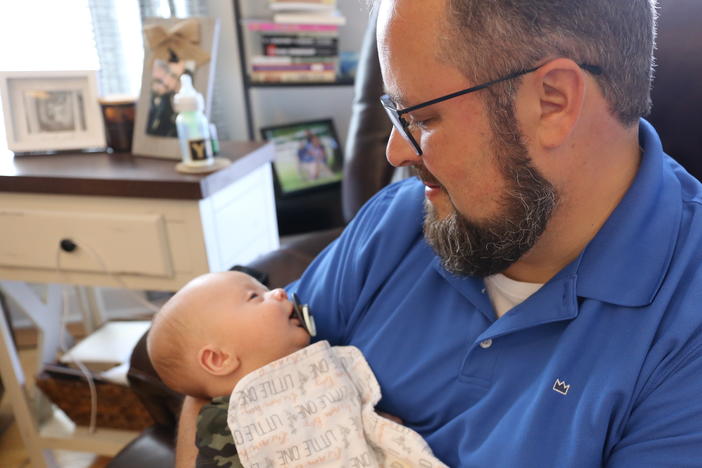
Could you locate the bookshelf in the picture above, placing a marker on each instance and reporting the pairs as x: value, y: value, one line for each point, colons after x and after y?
x: 350, y: 35
x: 277, y: 103
x: 338, y: 82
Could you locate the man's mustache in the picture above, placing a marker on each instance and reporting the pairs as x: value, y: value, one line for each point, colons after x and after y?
x: 425, y: 176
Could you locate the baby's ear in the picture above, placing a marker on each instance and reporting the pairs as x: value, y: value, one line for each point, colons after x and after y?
x: 217, y: 361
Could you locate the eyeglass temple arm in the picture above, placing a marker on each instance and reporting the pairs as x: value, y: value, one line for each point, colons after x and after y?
x: 594, y: 69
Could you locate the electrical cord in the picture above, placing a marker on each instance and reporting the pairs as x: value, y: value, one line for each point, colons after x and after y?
x: 98, y: 259
x: 62, y: 344
x: 68, y: 246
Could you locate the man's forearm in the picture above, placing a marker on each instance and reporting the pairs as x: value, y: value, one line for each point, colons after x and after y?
x: 186, y: 451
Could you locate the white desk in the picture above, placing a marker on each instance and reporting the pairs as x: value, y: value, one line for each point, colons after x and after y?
x: 137, y: 224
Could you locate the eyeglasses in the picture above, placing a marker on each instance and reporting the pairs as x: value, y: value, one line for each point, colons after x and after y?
x: 402, y: 126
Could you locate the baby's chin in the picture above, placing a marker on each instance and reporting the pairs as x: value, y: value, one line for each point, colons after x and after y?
x: 306, y: 340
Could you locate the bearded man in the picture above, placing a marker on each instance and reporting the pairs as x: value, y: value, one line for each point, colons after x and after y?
x: 532, y: 298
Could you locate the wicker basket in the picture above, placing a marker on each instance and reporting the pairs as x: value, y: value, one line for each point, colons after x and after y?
x: 118, y: 406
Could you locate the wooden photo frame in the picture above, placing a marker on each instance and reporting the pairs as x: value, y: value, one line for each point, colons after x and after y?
x: 307, y: 156
x: 49, y: 111
x: 172, y: 46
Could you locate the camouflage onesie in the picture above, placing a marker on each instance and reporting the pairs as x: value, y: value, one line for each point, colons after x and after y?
x: 213, y: 438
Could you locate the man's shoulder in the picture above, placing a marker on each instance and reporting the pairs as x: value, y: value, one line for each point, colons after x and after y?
x: 691, y: 187
x: 690, y: 224
x: 678, y: 296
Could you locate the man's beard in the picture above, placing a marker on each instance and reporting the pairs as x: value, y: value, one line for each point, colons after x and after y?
x: 487, y: 247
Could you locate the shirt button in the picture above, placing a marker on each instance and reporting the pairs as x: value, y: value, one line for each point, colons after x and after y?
x: 485, y: 344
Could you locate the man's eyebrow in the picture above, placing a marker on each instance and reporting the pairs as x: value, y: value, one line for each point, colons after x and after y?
x: 396, y: 98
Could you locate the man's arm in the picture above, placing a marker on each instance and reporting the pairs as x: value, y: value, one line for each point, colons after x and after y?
x: 665, y: 427
x: 186, y: 451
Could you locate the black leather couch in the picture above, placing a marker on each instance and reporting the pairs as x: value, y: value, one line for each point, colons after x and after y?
x: 677, y: 88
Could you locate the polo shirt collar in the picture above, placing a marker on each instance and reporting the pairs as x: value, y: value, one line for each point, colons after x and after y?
x: 625, y: 263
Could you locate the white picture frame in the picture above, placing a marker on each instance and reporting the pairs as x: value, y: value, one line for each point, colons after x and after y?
x: 48, y: 111
x: 146, y: 141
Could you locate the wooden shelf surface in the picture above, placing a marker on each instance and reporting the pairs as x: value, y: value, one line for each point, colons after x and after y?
x: 127, y: 175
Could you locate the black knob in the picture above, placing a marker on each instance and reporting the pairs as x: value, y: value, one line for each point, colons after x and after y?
x: 67, y: 245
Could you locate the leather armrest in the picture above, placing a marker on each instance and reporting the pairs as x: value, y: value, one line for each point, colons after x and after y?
x: 153, y: 448
x: 287, y: 264
x: 162, y: 403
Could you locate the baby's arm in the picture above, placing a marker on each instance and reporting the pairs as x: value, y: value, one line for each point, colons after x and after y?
x: 186, y: 451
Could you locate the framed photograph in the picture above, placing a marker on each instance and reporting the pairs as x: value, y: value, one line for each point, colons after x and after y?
x: 172, y: 47
x: 51, y: 110
x: 307, y: 156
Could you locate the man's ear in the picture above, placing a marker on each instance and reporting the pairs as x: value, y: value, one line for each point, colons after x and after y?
x: 217, y: 361
x: 561, y: 94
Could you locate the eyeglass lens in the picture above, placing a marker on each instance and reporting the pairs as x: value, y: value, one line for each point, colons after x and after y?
x: 400, y: 126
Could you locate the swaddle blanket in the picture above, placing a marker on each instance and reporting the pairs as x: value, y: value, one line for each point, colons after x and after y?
x: 316, y: 407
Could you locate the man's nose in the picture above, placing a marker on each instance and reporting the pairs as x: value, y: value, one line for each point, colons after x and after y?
x: 399, y: 152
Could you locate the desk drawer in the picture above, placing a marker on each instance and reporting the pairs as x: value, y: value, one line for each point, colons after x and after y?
x: 117, y: 243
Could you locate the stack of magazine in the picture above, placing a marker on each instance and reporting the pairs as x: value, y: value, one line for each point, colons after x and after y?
x: 299, y: 44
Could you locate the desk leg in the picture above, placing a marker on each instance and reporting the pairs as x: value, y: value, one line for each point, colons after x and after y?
x: 13, y: 376
x: 94, y: 307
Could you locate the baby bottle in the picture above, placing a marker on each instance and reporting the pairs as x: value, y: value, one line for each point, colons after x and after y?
x: 191, y: 123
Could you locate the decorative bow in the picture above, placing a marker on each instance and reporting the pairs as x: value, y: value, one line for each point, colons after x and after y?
x: 182, y: 39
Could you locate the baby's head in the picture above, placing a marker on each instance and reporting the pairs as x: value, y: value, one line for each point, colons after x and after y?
x: 218, y: 328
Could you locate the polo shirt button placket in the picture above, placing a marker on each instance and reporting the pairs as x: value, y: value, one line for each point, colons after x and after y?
x: 478, y: 368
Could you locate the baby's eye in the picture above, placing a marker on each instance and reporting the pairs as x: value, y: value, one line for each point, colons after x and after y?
x: 252, y: 296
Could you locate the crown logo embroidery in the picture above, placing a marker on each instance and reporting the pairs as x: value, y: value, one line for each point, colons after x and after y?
x: 561, y: 387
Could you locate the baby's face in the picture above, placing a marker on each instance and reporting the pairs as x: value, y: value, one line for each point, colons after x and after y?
x: 259, y: 323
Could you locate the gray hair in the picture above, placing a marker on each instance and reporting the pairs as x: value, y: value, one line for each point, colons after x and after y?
x: 487, y: 39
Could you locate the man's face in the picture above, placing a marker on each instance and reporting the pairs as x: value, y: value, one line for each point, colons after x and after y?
x: 486, y: 203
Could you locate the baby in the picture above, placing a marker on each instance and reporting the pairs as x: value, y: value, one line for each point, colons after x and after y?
x: 226, y: 337
x: 218, y: 328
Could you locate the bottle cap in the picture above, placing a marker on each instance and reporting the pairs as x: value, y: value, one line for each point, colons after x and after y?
x: 188, y: 99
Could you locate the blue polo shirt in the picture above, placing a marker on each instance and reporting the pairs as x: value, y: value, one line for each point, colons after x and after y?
x: 601, y: 366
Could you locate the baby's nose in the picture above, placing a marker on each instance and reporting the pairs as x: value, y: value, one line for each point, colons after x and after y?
x: 279, y: 294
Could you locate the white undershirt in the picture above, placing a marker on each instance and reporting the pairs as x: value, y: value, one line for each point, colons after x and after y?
x: 506, y: 293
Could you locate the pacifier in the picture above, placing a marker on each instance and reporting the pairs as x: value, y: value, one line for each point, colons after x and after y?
x: 303, y: 314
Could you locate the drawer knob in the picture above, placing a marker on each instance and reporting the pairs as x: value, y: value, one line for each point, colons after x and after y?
x: 67, y: 245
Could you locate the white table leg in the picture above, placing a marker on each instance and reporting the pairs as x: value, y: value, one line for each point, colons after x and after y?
x: 13, y: 376
x: 45, y: 316
x: 93, y: 307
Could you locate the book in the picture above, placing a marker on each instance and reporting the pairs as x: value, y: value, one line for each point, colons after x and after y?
x: 273, y: 50
x: 277, y: 5
x: 292, y: 76
x: 302, y: 40
x: 287, y: 60
x: 107, y: 347
x: 267, y: 25
x: 301, y: 44
x: 292, y: 67
x: 333, y: 17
